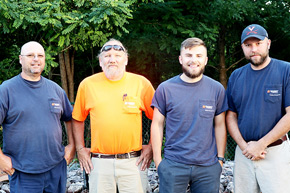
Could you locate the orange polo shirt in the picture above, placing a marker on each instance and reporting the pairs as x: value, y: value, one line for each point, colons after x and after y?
x: 115, y: 109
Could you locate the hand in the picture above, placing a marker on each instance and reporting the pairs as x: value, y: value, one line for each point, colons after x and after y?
x: 85, y: 159
x: 157, y: 161
x: 255, y: 151
x: 146, y: 157
x: 6, y: 164
x: 221, y: 162
x: 69, y: 153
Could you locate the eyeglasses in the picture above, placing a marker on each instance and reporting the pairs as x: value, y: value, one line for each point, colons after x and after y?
x: 32, y: 56
x: 115, y: 47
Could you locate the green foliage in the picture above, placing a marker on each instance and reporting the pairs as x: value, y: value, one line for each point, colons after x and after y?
x: 10, y: 65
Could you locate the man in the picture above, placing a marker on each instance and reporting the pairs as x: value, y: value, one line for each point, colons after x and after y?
x: 193, y: 106
x: 259, y: 117
x: 115, y: 100
x: 31, y: 110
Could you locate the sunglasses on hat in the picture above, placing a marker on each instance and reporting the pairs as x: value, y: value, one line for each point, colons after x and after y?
x: 115, y: 47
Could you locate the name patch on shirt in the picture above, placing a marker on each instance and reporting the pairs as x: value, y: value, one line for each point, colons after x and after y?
x: 273, y: 93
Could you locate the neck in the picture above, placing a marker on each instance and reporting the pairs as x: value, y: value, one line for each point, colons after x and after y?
x: 115, y: 78
x: 35, y: 78
x: 190, y: 80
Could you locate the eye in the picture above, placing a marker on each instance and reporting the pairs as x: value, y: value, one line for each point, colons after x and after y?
x: 30, y: 55
x: 40, y: 56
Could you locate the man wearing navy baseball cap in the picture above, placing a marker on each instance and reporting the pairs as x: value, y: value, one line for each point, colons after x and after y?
x: 258, y: 118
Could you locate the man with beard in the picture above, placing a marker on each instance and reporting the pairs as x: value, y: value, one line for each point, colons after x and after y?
x: 115, y: 100
x: 193, y: 107
x: 258, y: 118
x: 31, y: 110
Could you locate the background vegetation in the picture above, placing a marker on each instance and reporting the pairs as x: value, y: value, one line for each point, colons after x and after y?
x: 73, y: 31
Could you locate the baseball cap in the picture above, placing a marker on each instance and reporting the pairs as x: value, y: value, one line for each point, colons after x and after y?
x: 254, y: 30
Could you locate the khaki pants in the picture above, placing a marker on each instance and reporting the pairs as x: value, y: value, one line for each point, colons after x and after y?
x: 109, y: 173
x: 270, y: 175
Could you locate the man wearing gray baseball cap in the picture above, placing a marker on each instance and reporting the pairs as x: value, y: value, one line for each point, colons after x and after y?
x: 258, y: 118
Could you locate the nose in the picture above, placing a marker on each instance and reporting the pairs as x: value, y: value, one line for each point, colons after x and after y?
x: 254, y: 48
x: 112, y: 59
x: 194, y: 59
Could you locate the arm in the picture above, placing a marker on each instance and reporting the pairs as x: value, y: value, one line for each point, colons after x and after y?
x: 220, y: 134
x: 70, y: 148
x: 157, y: 135
x: 233, y: 128
x: 82, y: 151
x: 280, y: 129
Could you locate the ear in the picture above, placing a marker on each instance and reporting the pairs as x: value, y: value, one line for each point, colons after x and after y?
x: 100, y: 63
x: 20, y: 59
x: 180, y: 60
x: 206, y: 61
x: 269, y: 44
x: 126, y: 60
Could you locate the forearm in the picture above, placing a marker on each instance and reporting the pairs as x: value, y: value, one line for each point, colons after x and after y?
x: 221, y: 135
x: 280, y: 129
x: 69, y: 132
x: 78, y: 134
x: 157, y: 135
x: 156, y: 140
x: 233, y: 128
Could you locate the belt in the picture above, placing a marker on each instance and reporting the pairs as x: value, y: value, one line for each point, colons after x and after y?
x: 278, y: 142
x: 118, y: 156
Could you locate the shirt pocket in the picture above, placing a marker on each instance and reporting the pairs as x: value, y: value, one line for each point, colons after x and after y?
x: 55, y: 106
x: 131, y: 104
x: 273, y: 93
x: 207, y: 108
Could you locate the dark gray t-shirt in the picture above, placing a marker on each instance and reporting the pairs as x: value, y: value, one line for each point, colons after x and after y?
x: 30, y: 113
x: 190, y: 109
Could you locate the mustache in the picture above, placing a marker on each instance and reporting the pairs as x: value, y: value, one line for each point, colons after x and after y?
x: 192, y: 62
x: 255, y: 54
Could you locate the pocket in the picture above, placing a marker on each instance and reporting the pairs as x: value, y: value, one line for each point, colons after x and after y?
x: 160, y: 165
x: 207, y: 108
x: 131, y: 104
x: 273, y: 93
x: 55, y: 106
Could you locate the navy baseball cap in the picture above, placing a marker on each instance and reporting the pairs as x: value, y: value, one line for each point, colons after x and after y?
x: 254, y: 30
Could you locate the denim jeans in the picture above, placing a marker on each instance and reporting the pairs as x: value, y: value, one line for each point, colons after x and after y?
x: 175, y: 177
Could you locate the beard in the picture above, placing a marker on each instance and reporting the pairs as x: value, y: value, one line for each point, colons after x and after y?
x: 260, y: 61
x: 192, y: 74
x: 113, y: 73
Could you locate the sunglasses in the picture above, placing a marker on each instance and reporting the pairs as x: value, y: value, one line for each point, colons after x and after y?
x: 115, y: 47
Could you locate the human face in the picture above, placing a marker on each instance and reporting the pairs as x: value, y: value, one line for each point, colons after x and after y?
x: 257, y: 51
x: 193, y: 61
x: 32, y: 59
x: 113, y: 62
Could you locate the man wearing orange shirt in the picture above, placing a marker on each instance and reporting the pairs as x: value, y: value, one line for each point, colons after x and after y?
x: 115, y: 100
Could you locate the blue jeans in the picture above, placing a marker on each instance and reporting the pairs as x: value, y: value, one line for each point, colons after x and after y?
x: 175, y: 177
x: 52, y: 181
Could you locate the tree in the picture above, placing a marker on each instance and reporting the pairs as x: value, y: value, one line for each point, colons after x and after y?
x: 65, y: 26
x: 154, y: 38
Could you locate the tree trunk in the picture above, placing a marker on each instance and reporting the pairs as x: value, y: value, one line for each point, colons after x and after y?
x: 63, y: 72
x: 69, y: 64
x: 222, y: 62
x: 66, y: 61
